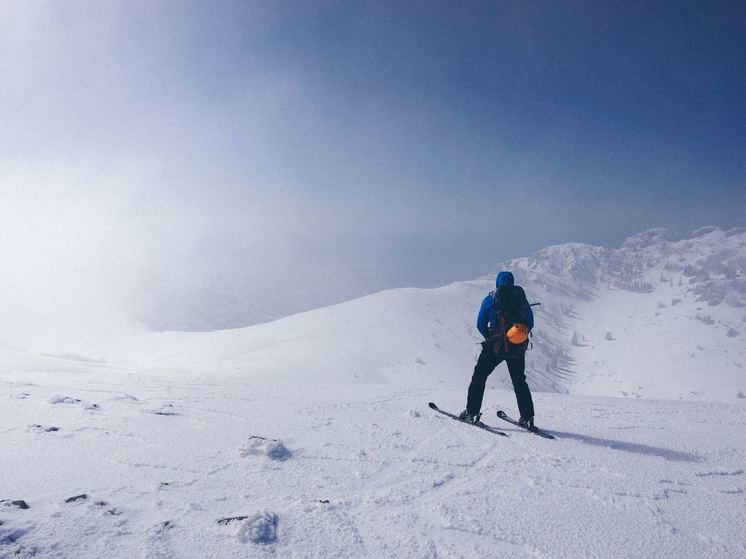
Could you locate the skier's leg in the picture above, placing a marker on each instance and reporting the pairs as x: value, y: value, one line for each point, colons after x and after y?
x: 485, y: 365
x: 517, y: 369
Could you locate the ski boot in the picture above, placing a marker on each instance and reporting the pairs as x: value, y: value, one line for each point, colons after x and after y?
x: 468, y: 417
x: 527, y: 423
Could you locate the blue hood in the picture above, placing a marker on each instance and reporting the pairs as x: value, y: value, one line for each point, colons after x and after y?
x: 504, y: 278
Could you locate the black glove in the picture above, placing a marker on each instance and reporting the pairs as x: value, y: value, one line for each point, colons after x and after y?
x: 490, y: 339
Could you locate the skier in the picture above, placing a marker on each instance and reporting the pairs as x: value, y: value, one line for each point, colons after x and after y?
x: 505, y: 319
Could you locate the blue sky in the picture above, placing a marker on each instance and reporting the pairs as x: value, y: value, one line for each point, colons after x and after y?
x: 236, y: 157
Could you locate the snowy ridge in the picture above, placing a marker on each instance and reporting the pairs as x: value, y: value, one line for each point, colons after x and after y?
x: 654, y: 318
x: 645, y: 320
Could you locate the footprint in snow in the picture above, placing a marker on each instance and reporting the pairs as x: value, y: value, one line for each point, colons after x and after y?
x: 64, y: 400
x: 158, y: 541
x: 102, y: 506
x: 43, y: 428
x: 165, y: 409
x: 8, y: 537
x: 69, y: 400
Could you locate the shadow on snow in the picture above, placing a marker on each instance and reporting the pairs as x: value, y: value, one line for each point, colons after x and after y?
x: 636, y: 448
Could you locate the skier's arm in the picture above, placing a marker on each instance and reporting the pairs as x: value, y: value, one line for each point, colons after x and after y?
x: 528, y: 313
x: 484, y: 316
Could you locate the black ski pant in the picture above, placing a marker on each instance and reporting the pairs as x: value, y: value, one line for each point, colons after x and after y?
x: 486, y: 363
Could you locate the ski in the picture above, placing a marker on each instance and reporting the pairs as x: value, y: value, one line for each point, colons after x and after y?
x: 502, y: 415
x: 479, y: 424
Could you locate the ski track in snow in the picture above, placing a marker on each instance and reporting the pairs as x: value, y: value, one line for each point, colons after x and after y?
x: 372, y: 472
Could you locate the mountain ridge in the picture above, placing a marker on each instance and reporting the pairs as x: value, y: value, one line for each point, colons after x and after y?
x: 653, y: 318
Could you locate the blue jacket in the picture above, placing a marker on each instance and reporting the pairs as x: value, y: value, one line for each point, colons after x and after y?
x: 487, y: 317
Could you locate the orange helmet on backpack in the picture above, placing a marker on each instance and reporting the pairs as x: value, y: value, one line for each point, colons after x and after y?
x: 517, y: 334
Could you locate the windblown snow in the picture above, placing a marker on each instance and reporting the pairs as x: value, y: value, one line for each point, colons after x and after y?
x: 310, y: 436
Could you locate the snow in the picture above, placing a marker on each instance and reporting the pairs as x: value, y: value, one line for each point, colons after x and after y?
x: 310, y: 436
x: 368, y: 471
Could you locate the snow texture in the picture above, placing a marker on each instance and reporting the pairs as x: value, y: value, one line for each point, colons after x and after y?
x: 134, y: 450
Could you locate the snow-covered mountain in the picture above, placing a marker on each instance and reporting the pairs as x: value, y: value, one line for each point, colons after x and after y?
x: 654, y: 318
x: 310, y: 436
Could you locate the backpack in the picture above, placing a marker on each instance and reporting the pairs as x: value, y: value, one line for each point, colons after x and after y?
x: 509, y: 302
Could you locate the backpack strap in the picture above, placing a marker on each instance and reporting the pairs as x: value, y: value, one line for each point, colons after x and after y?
x: 503, y: 334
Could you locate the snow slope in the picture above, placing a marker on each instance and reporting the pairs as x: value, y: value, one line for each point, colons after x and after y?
x: 311, y: 437
x: 363, y: 470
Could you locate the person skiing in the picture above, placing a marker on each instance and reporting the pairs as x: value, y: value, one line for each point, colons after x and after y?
x: 505, y: 320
